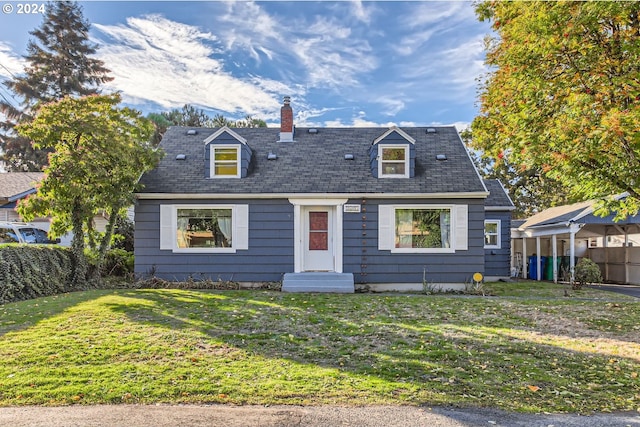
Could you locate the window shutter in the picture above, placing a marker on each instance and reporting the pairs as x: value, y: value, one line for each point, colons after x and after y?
x: 241, y: 228
x: 386, y: 227
x: 166, y: 228
x: 461, y: 227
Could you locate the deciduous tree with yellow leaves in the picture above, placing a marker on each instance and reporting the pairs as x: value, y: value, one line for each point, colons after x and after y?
x: 564, y: 94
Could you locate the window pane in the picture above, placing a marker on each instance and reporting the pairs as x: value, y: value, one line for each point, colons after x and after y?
x: 226, y: 154
x: 423, y: 228
x: 490, y: 227
x: 491, y: 240
x: 226, y: 169
x: 204, y: 228
x: 393, y: 154
x: 318, y: 241
x: 393, y: 168
x: 318, y: 221
x: 7, y: 236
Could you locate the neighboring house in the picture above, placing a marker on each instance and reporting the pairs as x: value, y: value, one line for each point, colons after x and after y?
x: 566, y: 234
x: 497, y: 232
x: 13, y: 187
x: 317, y: 208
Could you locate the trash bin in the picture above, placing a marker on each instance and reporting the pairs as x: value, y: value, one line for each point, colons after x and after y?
x: 533, y: 267
x: 548, y: 272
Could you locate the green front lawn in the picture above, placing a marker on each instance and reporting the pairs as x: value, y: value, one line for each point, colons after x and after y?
x: 260, y: 347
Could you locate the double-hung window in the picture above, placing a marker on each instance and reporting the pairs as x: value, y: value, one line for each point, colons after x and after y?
x: 492, y: 234
x: 225, y: 161
x: 204, y: 228
x: 393, y: 161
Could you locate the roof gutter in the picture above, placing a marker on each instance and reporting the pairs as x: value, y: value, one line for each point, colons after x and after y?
x: 185, y: 196
x: 19, y: 196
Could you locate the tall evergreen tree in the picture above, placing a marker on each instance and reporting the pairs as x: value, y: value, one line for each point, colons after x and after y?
x: 59, y: 64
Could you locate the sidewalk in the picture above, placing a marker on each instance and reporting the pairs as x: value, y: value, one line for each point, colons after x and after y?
x: 290, y: 416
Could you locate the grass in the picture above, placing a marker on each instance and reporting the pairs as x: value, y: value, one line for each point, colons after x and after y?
x: 554, y: 354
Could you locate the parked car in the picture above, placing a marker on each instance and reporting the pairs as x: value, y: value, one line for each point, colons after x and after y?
x: 21, y: 232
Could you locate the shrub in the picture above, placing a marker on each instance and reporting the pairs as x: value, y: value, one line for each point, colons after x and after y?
x: 31, y: 271
x: 118, y: 262
x: 586, y: 272
x: 123, y: 235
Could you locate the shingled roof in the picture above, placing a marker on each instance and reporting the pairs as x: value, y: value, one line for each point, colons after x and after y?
x: 314, y: 163
x: 498, y: 197
x: 16, y: 185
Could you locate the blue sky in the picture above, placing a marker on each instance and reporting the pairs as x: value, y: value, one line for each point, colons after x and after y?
x: 346, y: 63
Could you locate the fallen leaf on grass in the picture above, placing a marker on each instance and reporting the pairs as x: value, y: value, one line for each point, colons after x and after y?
x: 533, y: 388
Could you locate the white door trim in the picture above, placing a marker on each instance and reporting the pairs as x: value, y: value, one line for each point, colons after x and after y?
x: 298, y: 230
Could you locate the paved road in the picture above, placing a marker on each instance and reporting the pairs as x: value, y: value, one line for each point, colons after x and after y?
x: 293, y: 416
x: 630, y: 290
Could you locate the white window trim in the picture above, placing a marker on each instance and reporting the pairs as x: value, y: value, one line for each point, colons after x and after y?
x: 407, y: 155
x: 458, y: 228
x: 169, y: 226
x: 212, y: 160
x: 499, y: 233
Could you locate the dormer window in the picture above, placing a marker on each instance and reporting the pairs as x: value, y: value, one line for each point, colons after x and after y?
x: 393, y: 155
x: 393, y: 161
x: 225, y: 161
x: 226, y: 154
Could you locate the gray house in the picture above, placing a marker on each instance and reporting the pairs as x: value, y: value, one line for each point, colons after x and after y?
x: 317, y: 208
x: 497, y: 231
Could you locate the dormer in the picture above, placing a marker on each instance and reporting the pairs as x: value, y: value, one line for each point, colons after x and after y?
x: 393, y: 155
x: 227, y: 155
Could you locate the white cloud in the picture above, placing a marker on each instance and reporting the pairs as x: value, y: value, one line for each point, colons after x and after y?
x: 445, y: 13
x: 392, y: 105
x: 316, y: 51
x: 246, y: 26
x: 11, y: 64
x: 453, y: 69
x: 331, y: 56
x: 169, y: 63
x: 361, y: 12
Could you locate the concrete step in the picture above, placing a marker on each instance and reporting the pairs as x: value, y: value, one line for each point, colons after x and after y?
x: 318, y: 282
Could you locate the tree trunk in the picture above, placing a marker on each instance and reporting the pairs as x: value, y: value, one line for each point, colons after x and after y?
x: 105, y: 243
x: 79, y: 276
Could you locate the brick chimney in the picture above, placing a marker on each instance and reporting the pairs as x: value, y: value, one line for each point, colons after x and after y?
x: 286, y: 121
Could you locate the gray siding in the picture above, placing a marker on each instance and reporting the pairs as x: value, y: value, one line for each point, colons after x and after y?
x: 498, y: 261
x: 369, y: 265
x: 269, y: 256
x: 271, y: 247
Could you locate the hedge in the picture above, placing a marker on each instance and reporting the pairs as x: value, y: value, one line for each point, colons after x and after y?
x: 32, y: 271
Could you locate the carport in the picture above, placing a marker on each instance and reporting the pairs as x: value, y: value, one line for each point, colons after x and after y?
x: 548, y: 245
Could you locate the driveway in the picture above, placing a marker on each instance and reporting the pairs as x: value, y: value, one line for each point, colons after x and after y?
x: 293, y: 416
x: 631, y: 290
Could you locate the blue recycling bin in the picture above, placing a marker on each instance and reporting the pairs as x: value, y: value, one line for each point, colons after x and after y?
x: 533, y: 267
